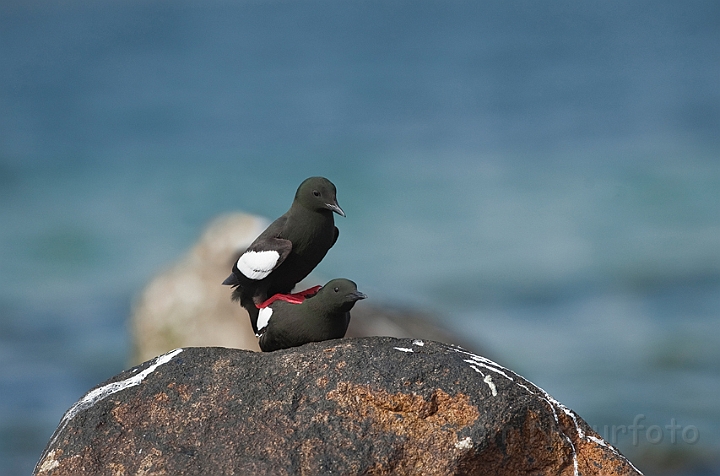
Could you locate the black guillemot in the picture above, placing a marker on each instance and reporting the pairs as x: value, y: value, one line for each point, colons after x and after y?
x: 314, y: 315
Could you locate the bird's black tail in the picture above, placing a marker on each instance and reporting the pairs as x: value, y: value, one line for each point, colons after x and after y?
x: 231, y: 280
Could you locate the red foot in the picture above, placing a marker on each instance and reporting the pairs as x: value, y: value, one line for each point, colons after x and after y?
x: 294, y: 298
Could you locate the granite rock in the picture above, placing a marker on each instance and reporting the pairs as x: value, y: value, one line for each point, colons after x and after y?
x: 375, y: 405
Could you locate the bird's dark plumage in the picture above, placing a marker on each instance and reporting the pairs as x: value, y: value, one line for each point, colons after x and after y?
x: 322, y: 316
x: 289, y: 249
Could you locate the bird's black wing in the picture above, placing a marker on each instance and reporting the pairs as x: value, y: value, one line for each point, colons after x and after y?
x: 263, y: 257
x: 266, y: 253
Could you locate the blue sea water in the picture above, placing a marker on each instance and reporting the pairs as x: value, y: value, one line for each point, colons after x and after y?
x: 542, y: 176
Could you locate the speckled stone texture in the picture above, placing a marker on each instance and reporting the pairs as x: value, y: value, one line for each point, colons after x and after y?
x: 374, y: 405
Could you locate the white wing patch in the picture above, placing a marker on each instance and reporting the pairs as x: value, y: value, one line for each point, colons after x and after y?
x: 263, y: 319
x: 257, y: 264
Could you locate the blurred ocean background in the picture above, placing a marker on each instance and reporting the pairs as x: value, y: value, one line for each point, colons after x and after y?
x: 542, y: 176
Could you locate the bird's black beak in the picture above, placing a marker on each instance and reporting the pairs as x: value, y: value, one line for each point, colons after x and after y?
x: 357, y: 295
x: 336, y: 208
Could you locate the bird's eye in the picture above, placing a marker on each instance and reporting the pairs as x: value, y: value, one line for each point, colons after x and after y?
x: 336, y: 289
x: 316, y: 193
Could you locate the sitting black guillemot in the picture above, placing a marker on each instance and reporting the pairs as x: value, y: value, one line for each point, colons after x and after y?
x: 313, y: 315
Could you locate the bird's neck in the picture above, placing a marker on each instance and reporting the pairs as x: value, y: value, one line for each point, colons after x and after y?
x: 315, y: 306
x: 304, y: 217
x: 318, y: 307
x: 300, y: 209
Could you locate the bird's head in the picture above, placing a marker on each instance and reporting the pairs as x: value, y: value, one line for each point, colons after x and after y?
x: 340, y: 294
x: 318, y: 193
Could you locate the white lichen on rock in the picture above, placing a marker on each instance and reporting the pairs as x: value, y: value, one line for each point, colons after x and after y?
x: 477, y: 362
x: 489, y: 382
x: 464, y: 444
x: 94, y: 396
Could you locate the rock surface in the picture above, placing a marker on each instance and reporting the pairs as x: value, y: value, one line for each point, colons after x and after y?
x: 186, y: 306
x: 352, y: 406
